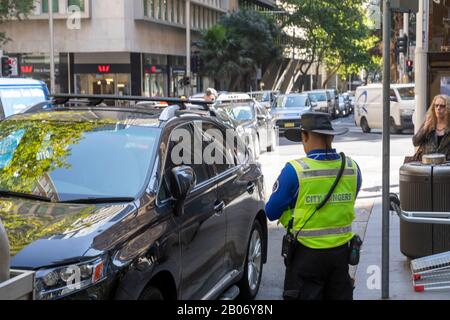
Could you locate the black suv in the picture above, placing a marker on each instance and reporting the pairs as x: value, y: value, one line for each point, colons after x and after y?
x: 94, y: 202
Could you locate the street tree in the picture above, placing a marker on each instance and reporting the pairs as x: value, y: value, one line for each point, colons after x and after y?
x: 233, y: 49
x: 13, y: 9
x: 333, y: 32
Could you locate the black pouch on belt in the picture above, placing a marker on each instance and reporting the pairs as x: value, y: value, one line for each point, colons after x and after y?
x: 354, y: 250
x: 288, y: 246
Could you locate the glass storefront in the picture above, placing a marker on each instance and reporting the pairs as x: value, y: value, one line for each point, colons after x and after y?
x: 110, y: 83
x: 440, y: 26
x: 155, y: 75
x: 37, y: 66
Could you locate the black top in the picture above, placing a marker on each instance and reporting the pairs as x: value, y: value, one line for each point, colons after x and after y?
x: 439, y: 139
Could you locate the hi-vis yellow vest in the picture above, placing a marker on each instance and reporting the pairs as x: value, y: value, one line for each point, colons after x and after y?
x: 331, y: 226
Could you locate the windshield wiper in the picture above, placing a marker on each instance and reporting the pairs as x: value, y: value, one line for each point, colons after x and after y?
x: 6, y: 193
x: 100, y: 200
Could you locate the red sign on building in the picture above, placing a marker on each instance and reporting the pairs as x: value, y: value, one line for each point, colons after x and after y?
x: 26, y: 69
x: 104, y: 68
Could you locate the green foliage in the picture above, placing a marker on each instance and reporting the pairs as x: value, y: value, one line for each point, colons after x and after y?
x: 10, y: 9
x: 44, y: 147
x: 237, y: 45
x: 334, y: 32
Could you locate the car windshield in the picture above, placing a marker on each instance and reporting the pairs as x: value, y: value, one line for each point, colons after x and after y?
x: 406, y: 93
x: 294, y: 101
x: 318, y: 96
x: 76, y: 157
x: 16, y: 100
x: 240, y: 112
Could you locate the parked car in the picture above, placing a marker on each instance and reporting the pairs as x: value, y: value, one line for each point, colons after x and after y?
x: 98, y: 202
x: 344, y: 106
x: 251, y: 119
x: 322, y: 98
x: 350, y: 98
x: 288, y: 110
x: 369, y: 107
x: 16, y: 95
x: 265, y: 98
x: 334, y: 102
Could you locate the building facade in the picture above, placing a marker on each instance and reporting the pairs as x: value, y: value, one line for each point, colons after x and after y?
x: 124, y: 47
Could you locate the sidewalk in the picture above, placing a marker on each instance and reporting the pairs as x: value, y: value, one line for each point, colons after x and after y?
x: 400, y: 287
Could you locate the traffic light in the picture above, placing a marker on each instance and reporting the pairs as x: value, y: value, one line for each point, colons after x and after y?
x: 402, y: 44
x: 6, y: 67
x: 195, y: 63
x: 409, y: 65
x: 186, y: 81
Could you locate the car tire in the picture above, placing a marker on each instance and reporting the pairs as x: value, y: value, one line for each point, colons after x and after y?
x: 251, y: 280
x: 392, y: 127
x: 257, y: 147
x: 151, y: 293
x: 273, y: 144
x: 365, y: 126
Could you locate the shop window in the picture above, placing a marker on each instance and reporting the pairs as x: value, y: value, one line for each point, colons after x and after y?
x: 159, y: 9
x: 166, y: 10
x: 45, y: 6
x: 440, y: 25
x: 78, y: 3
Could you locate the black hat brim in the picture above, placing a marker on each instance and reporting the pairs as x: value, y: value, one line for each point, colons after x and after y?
x: 294, y: 135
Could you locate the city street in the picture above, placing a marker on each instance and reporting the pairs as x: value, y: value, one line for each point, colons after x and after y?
x: 366, y: 150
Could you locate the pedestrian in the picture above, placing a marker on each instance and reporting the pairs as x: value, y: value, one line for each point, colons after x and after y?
x: 210, y: 95
x: 314, y: 199
x: 434, y: 134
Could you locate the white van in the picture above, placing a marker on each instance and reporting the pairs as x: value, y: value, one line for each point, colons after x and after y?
x: 17, y: 95
x: 369, y: 107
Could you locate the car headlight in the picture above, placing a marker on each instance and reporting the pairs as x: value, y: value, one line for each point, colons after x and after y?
x: 59, y: 282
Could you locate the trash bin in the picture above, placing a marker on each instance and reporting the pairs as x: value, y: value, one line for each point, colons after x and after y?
x: 424, y: 187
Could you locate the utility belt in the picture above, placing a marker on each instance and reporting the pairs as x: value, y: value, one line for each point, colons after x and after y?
x: 290, y: 243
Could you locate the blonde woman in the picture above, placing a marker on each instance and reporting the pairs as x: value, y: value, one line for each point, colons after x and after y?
x: 434, y: 135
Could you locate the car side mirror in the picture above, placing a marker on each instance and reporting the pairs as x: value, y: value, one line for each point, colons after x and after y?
x: 184, y: 178
x: 393, y: 99
x: 260, y: 117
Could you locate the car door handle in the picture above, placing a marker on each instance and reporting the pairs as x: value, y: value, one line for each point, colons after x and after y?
x: 219, y: 207
x: 251, y: 187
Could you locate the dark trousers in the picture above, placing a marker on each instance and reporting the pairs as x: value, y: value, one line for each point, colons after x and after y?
x: 318, y: 274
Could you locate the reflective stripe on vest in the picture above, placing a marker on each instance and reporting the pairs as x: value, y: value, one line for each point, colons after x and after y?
x: 326, y: 173
x: 323, y: 232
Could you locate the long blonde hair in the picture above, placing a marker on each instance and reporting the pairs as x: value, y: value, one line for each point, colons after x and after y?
x: 430, y: 123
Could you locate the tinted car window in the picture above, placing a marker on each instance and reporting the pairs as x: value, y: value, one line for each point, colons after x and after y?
x: 318, y: 96
x: 177, y: 157
x: 16, y: 100
x: 240, y: 112
x: 68, y: 159
x: 222, y: 156
x: 295, y: 101
x: 406, y: 93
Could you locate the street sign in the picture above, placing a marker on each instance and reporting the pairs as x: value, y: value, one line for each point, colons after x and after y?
x: 405, y: 5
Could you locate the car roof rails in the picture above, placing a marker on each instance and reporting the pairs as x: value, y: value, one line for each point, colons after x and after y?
x: 169, y: 106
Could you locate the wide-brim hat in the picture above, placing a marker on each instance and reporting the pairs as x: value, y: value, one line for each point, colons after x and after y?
x: 317, y: 122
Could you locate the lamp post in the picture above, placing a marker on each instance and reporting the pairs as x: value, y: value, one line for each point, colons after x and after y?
x: 52, y: 48
x: 188, y: 48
